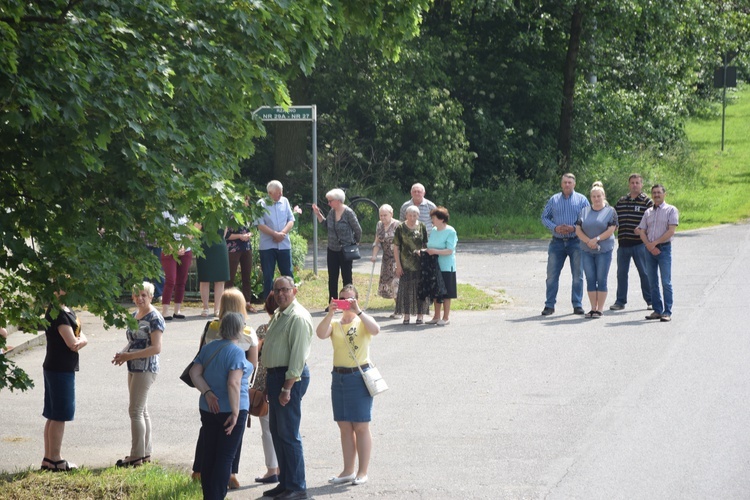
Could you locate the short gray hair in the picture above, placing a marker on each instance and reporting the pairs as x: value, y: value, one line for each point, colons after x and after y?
x: 412, y: 208
x: 336, y: 194
x: 147, y: 286
x: 274, y: 186
x: 386, y: 207
x: 231, y: 326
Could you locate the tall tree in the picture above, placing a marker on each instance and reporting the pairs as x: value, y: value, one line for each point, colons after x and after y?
x: 112, y: 113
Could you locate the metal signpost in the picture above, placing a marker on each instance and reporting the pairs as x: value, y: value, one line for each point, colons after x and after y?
x: 724, y: 77
x: 299, y: 114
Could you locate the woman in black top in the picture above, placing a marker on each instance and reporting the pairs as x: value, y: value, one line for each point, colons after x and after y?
x: 64, y: 340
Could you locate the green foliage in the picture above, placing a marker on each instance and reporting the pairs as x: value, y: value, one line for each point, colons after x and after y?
x: 112, y: 113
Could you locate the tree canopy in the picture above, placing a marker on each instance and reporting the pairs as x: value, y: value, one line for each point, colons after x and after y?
x: 112, y: 113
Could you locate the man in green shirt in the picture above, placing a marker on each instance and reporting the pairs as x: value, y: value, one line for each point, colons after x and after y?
x: 285, y: 351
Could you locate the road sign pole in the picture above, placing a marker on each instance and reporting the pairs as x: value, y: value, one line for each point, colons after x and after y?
x: 315, y: 186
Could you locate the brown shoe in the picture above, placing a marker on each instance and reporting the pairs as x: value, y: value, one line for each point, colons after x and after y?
x: 233, y: 482
x: 654, y: 315
x: 666, y: 318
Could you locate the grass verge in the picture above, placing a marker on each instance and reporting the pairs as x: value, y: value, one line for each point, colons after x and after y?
x: 150, y: 482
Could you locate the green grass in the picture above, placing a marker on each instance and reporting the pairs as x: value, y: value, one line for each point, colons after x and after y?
x: 150, y: 482
x: 723, y: 196
x: 313, y: 293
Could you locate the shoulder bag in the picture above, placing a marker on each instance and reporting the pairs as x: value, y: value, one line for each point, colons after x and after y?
x: 185, y: 376
x: 373, y: 380
x: 351, y: 251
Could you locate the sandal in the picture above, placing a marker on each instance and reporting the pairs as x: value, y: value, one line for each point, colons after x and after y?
x: 419, y: 322
x: 146, y: 459
x: 251, y: 309
x: 597, y: 314
x: 68, y: 466
x: 204, y: 313
x: 590, y: 314
x: 406, y: 320
x: 46, y: 467
x: 128, y: 462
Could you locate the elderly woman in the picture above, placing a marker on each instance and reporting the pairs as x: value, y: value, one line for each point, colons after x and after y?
x: 142, y: 356
x: 409, y: 239
x: 64, y: 340
x: 352, y: 403
x: 240, y: 251
x: 232, y: 301
x: 442, y: 242
x: 343, y: 229
x: 384, y: 232
x: 220, y: 373
x: 595, y: 229
x: 272, y: 463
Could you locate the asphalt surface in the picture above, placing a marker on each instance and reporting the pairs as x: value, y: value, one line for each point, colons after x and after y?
x: 499, y: 404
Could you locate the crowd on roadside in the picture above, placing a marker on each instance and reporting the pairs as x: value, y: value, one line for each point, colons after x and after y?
x: 418, y: 268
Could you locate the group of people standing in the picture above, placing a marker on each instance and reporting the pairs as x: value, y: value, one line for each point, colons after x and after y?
x: 419, y: 254
x: 230, y: 252
x: 583, y: 232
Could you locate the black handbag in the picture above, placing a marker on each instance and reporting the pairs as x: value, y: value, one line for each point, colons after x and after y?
x: 185, y: 376
x: 351, y: 252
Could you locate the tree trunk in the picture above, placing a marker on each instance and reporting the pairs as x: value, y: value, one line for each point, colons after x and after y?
x: 569, y: 80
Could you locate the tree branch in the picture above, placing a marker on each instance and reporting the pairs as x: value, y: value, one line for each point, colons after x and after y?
x: 60, y: 19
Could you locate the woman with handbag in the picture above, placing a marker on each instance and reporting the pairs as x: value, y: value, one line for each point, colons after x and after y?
x: 220, y: 372
x: 351, y: 400
x: 232, y: 301
x: 343, y: 231
x: 272, y: 464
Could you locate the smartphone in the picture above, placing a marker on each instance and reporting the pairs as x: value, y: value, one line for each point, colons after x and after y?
x: 342, y: 304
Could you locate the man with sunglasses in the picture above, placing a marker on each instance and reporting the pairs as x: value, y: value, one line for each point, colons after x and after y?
x: 284, y: 355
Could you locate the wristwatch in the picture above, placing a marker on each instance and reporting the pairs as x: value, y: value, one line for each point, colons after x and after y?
x: 284, y: 389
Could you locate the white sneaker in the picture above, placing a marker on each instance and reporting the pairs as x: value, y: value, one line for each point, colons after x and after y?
x: 443, y: 322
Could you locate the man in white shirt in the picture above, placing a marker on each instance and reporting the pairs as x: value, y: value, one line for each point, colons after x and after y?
x: 274, y: 226
x: 424, y: 205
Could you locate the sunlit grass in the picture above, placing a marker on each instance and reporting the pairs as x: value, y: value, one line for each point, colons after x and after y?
x: 150, y: 482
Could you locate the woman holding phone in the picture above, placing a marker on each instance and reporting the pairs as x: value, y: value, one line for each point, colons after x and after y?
x: 351, y: 401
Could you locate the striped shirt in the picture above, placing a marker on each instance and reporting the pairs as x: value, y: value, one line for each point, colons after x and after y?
x: 657, y: 219
x: 424, y: 212
x: 629, y: 214
x: 561, y: 210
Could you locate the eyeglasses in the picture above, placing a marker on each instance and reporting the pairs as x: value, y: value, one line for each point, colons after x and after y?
x: 282, y: 290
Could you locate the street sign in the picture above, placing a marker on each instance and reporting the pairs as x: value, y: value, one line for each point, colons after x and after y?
x: 279, y: 114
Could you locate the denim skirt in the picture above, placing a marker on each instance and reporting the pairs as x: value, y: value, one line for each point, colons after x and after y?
x: 59, y: 396
x: 351, y: 399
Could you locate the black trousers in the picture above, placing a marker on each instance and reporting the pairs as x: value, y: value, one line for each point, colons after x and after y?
x: 337, y: 263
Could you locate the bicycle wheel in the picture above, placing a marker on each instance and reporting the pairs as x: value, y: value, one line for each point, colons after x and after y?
x: 367, y: 214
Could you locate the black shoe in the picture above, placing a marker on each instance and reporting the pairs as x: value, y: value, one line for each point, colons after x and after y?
x: 267, y: 480
x: 578, y: 310
x: 616, y: 307
x: 274, y: 492
x: 292, y: 495
x: 547, y: 311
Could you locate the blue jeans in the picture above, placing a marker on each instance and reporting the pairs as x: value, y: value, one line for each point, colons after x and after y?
x: 560, y: 249
x: 268, y: 260
x: 596, y: 268
x: 638, y: 254
x: 660, y: 265
x: 284, y: 423
x: 218, y: 452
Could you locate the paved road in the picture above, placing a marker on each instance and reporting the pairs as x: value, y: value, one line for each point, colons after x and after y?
x: 500, y: 404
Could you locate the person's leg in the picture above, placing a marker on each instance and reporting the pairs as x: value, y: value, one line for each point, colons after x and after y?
x: 576, y: 293
x: 181, y: 280
x: 140, y: 422
x: 234, y: 261
x: 59, y: 407
x: 159, y: 280
x: 218, y: 291
x: 602, y: 261
x: 284, y: 258
x: 169, y: 265
x: 268, y: 451
x: 555, y: 262
x: 436, y: 312
x: 205, y: 289
x: 639, y: 257
x: 348, y: 447
x: 267, y: 266
x: 589, y: 269
x: 274, y: 382
x: 652, y: 269
x: 665, y: 269
x: 364, y: 446
x: 246, y: 265
x: 213, y: 487
x: 446, y: 310
x: 54, y: 431
x: 198, y: 459
x: 623, y: 267
x: 332, y: 261
x: 285, y: 426
x: 347, y: 267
